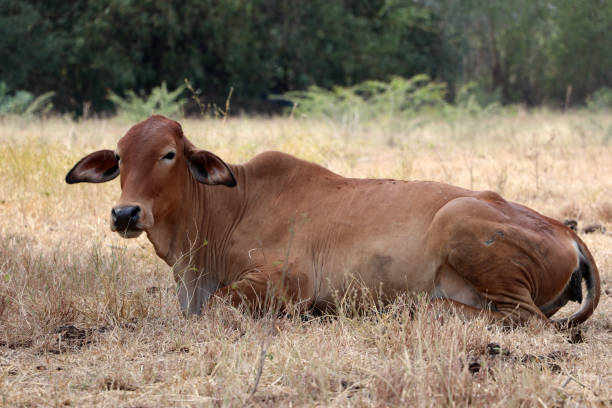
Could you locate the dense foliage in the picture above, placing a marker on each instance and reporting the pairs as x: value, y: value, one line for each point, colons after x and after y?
x: 527, y: 51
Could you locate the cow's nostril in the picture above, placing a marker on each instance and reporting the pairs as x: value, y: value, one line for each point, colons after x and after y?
x: 126, y: 217
x: 135, y: 212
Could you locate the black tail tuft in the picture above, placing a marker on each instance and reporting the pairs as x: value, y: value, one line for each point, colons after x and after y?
x: 573, y: 291
x: 587, y: 270
x: 585, y: 267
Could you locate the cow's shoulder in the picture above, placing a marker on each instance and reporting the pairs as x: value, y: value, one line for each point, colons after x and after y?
x: 279, y: 163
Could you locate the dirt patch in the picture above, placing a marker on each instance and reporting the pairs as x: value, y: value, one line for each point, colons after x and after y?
x: 572, y: 224
x: 71, y: 338
x: 111, y: 383
x: 495, y: 352
x: 575, y: 336
x: 13, y: 345
x: 152, y: 290
x: 588, y: 229
x: 593, y: 228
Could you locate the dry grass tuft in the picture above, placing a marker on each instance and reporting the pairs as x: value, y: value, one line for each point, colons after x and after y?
x: 88, y: 319
x: 604, y: 212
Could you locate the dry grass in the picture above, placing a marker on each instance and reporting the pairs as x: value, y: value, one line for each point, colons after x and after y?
x: 89, y: 319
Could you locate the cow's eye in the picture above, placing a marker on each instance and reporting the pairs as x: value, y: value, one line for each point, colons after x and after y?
x: 169, y: 156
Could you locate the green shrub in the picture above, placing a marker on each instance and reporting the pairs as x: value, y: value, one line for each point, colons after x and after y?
x: 600, y: 99
x: 161, y: 101
x: 369, y: 100
x: 474, y: 99
x: 23, y: 102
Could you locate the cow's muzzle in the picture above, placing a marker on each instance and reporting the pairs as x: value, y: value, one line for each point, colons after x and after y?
x: 125, y: 220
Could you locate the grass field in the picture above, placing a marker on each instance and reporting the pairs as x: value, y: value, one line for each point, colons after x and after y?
x: 89, y: 319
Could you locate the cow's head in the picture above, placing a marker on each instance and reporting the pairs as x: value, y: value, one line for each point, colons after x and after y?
x: 155, y: 163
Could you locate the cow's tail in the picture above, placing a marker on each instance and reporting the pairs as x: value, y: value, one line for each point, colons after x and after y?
x: 587, y: 271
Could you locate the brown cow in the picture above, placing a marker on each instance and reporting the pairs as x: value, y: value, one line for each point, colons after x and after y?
x: 281, y: 227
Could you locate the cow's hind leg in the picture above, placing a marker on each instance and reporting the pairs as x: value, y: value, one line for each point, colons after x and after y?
x: 517, y: 307
x: 466, y: 312
x: 454, y: 291
x: 492, y: 315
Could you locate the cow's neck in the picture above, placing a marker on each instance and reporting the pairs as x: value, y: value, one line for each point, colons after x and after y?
x: 198, y: 232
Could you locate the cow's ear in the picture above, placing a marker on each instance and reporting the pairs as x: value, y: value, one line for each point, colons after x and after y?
x: 208, y: 168
x: 96, y: 167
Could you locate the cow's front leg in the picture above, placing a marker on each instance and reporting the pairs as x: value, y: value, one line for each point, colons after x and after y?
x: 268, y: 289
x: 193, y: 290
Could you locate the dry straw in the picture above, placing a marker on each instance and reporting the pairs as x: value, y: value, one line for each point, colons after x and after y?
x: 88, y: 319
